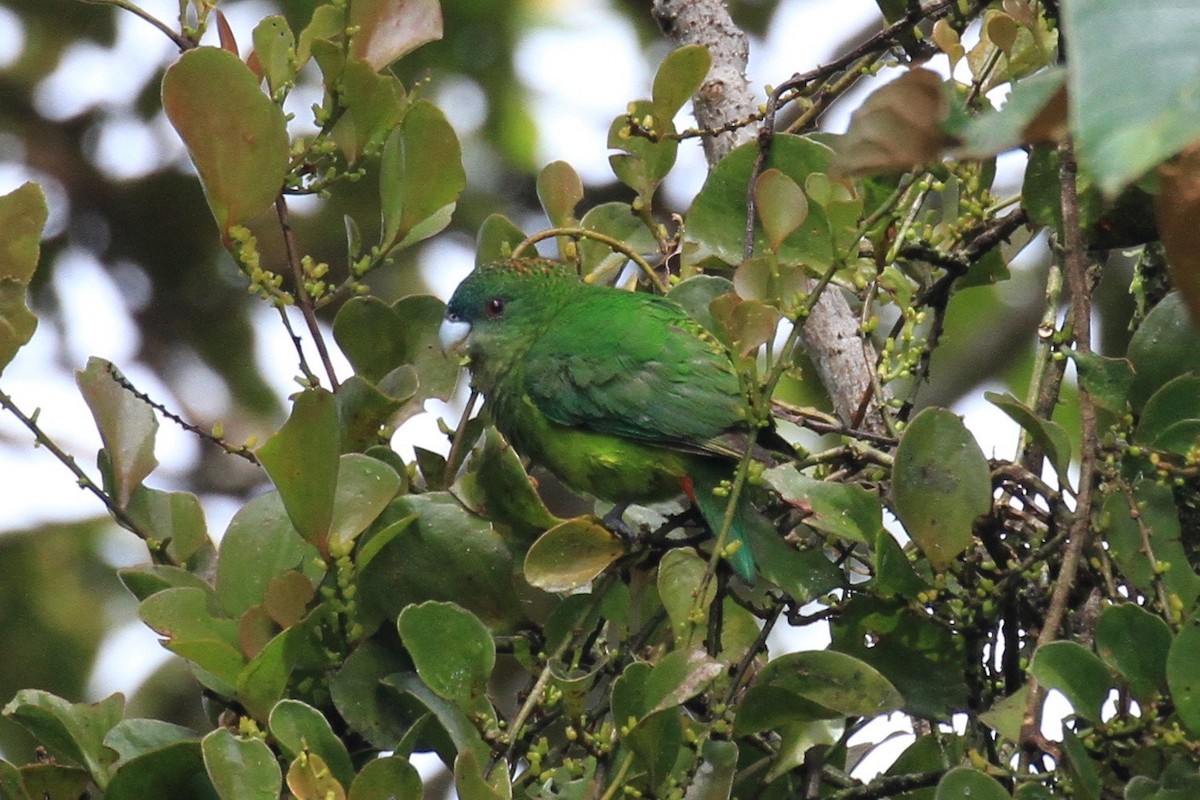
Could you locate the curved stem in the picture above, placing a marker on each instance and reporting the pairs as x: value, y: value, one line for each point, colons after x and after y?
x: 615, y: 244
x: 158, y: 550
x: 181, y: 41
x: 303, y: 298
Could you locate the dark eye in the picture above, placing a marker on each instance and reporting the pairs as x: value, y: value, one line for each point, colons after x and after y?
x: 495, y: 307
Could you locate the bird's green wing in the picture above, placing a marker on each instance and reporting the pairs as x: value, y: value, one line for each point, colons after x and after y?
x: 637, y: 366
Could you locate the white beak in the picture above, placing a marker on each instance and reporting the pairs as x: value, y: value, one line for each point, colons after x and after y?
x: 453, y: 335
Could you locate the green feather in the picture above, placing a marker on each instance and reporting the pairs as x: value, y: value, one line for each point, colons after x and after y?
x: 621, y: 394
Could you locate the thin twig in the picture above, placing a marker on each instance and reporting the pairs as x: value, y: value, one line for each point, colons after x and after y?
x: 303, y: 298
x: 181, y: 41
x: 1075, y: 267
x: 890, y: 785
x: 456, y: 444
x: 158, y: 550
x: 240, y: 451
x: 586, y: 233
x: 742, y: 671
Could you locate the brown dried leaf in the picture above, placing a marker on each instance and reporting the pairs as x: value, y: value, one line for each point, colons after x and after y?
x: 390, y: 28
x: 1178, y: 208
x: 1050, y: 124
x: 897, y: 128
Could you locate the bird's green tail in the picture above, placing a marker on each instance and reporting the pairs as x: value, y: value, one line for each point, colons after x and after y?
x: 707, y: 476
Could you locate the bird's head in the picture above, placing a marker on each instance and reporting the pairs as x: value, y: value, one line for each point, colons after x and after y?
x: 502, y: 302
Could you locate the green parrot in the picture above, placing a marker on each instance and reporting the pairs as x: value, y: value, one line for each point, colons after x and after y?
x: 620, y: 394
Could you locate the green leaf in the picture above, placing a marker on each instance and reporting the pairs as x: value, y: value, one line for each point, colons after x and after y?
x: 743, y: 325
x: 993, y: 132
x: 365, y: 486
x: 22, y: 217
x: 193, y: 629
x: 54, y: 781
x: 174, y: 770
x: 127, y: 427
x: 1107, y: 380
x: 643, y: 164
x: 617, y: 221
x: 1182, y: 676
x: 781, y: 206
x: 507, y: 492
x: 365, y: 411
x: 919, y: 656
x: 676, y: 678
x: 804, y: 573
x: 1085, y: 780
x: 1007, y: 715
x: 571, y: 554
x: 72, y: 732
x: 696, y: 294
x: 148, y: 579
x: 309, y: 778
x: 894, y: 573
x: 1075, y: 671
x: 259, y: 545
x: 17, y: 322
x: 327, y: 22
x: 241, y: 769
x: 679, y: 76
x: 838, y: 509
x: 1165, y: 346
x: 287, y: 598
x: 1135, y: 643
x: 130, y: 738
x: 471, y: 784
x: 654, y: 738
x: 379, y: 339
x: 374, y: 103
x: 301, y: 459
x: 236, y: 136
x: 836, y: 681
x: 420, y: 177
x: 940, y: 484
x: 1177, y: 401
x: 679, y: 573
x: 359, y: 698
x: 714, y: 779
x: 716, y: 222
x: 966, y: 783
x: 1049, y: 435
x: 387, y: 778
x: 388, y: 29
x: 497, y: 238
x: 559, y: 190
x: 299, y: 727
x: 275, y: 46
x: 452, y: 650
x: 1155, y: 531
x: 263, y: 681
x: 446, y: 554
x: 175, y: 518
x: 1121, y: 130
x: 460, y: 733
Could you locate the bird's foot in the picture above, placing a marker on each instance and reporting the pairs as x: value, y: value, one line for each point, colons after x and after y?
x: 614, y: 520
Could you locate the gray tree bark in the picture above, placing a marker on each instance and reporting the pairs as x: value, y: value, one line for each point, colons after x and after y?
x: 844, y: 362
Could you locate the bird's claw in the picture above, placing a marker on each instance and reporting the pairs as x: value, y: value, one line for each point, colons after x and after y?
x: 614, y: 520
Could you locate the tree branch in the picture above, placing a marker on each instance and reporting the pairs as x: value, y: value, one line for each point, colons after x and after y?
x: 158, y: 550
x: 1075, y: 266
x: 303, y: 298
x: 831, y: 333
